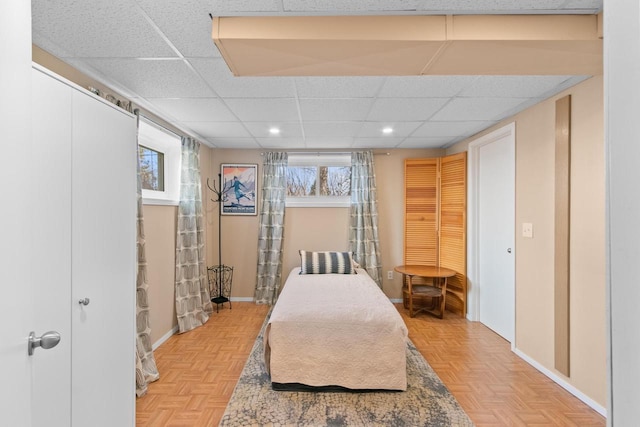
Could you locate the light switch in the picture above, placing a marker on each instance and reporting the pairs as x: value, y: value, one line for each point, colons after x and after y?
x: 527, y: 229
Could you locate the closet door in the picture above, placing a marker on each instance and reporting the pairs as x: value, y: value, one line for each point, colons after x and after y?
x: 453, y: 228
x: 421, y: 212
x: 103, y: 260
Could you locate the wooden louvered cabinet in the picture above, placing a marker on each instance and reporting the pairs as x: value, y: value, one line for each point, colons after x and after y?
x: 435, y: 220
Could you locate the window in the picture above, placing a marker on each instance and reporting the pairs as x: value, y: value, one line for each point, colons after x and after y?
x: 319, y: 180
x: 159, y: 154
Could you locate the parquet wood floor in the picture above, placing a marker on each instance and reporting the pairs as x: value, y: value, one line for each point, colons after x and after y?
x: 199, y: 370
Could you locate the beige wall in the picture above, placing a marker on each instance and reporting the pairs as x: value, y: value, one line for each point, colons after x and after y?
x: 535, y: 139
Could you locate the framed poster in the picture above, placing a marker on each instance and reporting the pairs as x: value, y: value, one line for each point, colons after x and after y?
x: 239, y: 189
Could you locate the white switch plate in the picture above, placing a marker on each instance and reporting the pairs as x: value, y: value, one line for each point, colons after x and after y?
x: 527, y: 229
x: 390, y: 274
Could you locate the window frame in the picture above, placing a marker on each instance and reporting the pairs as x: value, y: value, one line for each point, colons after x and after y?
x: 157, y: 138
x: 317, y: 160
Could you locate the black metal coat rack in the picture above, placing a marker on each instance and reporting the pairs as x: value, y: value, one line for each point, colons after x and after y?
x: 224, y: 274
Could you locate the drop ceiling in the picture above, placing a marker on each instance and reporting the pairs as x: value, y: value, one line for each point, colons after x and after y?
x: 160, y: 54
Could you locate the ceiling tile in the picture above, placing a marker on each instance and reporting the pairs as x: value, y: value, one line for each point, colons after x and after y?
x: 400, y: 129
x: 488, y: 5
x: 404, y: 109
x: 438, y: 129
x: 477, y: 108
x: 348, y: 5
x: 239, y: 143
x: 330, y: 110
x: 91, y: 29
x: 153, y: 78
x: 332, y: 129
x: 218, y: 129
x: 328, y: 142
x: 287, y: 129
x: 173, y: 17
x: 282, y: 143
x: 512, y: 86
x: 425, y: 142
x: 583, y: 4
x: 377, y: 142
x: 195, y: 109
x: 217, y: 74
x: 264, y: 110
x: 229, y: 7
x: 424, y: 86
x: 338, y: 87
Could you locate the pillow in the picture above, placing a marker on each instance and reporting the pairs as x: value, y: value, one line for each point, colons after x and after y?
x: 326, y: 263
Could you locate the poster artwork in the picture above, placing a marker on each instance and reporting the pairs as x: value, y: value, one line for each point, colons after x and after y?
x: 239, y: 189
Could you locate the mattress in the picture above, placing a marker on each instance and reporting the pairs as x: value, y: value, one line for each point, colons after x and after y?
x: 336, y: 330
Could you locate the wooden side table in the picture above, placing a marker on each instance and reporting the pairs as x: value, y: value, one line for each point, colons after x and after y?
x: 437, y: 291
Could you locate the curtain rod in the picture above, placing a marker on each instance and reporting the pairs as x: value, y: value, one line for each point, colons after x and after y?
x: 317, y: 153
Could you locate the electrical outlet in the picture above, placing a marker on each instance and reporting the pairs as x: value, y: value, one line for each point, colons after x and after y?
x: 527, y: 229
x: 390, y: 274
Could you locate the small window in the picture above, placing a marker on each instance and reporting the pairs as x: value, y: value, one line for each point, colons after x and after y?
x: 319, y: 180
x: 159, y: 154
x: 151, y: 168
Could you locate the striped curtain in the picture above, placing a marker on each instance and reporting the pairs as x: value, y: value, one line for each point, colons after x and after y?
x: 146, y: 369
x: 363, y: 223
x: 271, y: 230
x: 193, y: 303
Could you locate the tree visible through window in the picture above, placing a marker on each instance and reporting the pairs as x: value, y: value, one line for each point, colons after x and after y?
x: 151, y: 168
x: 318, y: 179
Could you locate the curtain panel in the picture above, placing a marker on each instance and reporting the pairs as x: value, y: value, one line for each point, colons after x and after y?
x: 363, y: 222
x: 193, y: 303
x: 271, y: 229
x: 146, y: 369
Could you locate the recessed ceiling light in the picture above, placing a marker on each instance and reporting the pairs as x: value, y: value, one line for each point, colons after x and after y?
x: 274, y: 131
x: 387, y: 130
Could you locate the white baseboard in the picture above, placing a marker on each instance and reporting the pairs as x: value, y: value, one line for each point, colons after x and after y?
x: 562, y: 383
x: 164, y: 338
x: 242, y: 299
x: 395, y: 300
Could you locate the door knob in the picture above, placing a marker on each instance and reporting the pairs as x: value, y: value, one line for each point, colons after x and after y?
x: 47, y: 340
x: 509, y: 250
x: 84, y: 301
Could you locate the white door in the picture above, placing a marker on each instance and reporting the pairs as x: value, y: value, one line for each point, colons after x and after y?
x: 494, y: 163
x: 104, y: 264
x: 15, y: 181
x: 51, y: 252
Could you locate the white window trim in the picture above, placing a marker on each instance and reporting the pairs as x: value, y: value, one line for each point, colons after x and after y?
x: 319, y: 159
x: 156, y: 138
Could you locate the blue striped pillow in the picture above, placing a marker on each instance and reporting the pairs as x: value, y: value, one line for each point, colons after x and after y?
x: 326, y: 263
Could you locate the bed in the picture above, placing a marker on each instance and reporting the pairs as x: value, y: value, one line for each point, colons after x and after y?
x: 335, y: 330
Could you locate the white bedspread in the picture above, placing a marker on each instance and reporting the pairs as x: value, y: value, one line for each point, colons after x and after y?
x: 336, y: 330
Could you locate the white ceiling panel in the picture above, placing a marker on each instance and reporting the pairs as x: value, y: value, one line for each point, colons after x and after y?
x: 328, y: 142
x: 404, y: 109
x: 338, y: 87
x: 153, y: 78
x: 495, y: 5
x: 217, y: 74
x: 448, y: 129
x: 282, y: 143
x: 335, y: 110
x: 332, y: 129
x: 229, y: 7
x: 423, y: 142
x: 238, y: 143
x: 185, y: 23
x: 264, y: 110
x: 389, y: 142
x: 287, y: 129
x: 424, y: 86
x: 195, y: 109
x: 349, y: 5
x: 95, y: 29
x: 512, y: 86
x: 219, y: 129
x: 400, y: 129
x: 477, y: 108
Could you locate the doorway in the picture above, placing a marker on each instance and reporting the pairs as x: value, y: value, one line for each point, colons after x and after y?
x: 491, y: 250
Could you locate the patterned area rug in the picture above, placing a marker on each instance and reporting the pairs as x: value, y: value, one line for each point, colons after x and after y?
x: 427, y: 402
